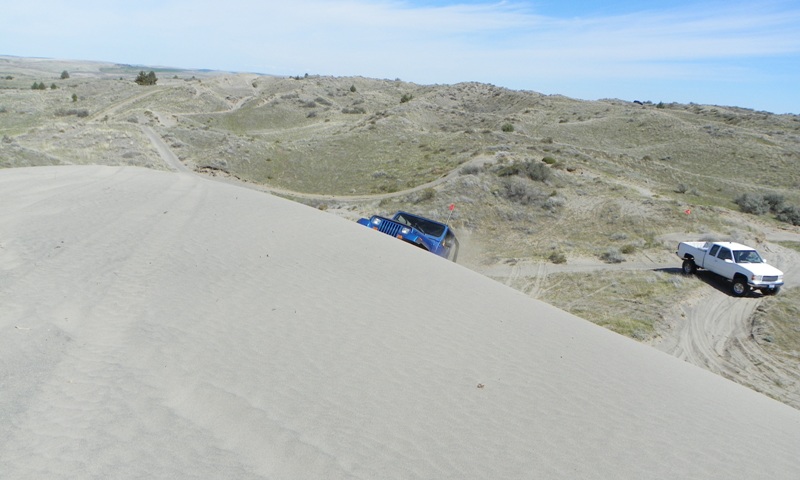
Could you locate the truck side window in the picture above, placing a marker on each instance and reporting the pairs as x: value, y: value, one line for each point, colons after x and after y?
x: 725, y: 254
x: 713, y: 251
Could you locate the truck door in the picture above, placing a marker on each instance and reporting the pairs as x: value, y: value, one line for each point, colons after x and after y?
x: 724, y: 264
x: 711, y: 256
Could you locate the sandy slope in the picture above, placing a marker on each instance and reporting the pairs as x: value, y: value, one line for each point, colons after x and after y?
x: 161, y: 325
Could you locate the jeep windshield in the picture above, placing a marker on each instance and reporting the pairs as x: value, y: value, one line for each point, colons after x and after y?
x: 428, y: 227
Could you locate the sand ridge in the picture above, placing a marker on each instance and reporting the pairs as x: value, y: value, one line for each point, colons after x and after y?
x: 162, y: 325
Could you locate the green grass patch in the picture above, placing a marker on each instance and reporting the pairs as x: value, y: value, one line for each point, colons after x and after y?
x: 628, y: 302
x: 792, y: 245
x: 777, y: 323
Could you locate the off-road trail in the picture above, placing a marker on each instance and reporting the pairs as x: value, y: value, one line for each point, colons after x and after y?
x: 718, y: 335
x: 166, y: 154
x: 114, y: 107
x: 714, y: 330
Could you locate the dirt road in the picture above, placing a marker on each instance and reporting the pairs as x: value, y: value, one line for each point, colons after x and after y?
x: 166, y: 154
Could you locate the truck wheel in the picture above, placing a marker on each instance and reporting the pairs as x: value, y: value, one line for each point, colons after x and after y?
x: 689, y: 266
x: 740, y: 286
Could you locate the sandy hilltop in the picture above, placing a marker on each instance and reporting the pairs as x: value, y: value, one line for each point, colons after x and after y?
x: 184, y: 293
x: 162, y: 325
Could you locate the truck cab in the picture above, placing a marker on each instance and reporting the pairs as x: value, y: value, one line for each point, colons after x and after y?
x: 719, y: 260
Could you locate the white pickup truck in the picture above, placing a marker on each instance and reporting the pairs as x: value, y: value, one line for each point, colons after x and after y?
x: 740, y: 264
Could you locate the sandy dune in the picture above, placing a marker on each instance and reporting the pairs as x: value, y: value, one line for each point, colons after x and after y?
x: 161, y: 325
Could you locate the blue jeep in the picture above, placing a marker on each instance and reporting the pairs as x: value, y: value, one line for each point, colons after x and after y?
x: 427, y: 234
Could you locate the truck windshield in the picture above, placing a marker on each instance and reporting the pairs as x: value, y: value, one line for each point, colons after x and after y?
x: 747, y: 256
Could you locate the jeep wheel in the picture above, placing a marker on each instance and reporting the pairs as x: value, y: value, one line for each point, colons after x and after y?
x: 689, y: 266
x: 740, y: 286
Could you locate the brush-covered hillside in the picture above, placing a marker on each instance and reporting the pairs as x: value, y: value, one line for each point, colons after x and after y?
x: 578, y: 203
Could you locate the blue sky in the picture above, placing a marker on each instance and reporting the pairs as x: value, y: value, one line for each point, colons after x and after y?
x: 739, y: 53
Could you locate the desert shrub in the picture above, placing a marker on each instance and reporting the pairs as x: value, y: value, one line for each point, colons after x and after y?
x: 557, y: 257
x: 427, y: 194
x: 507, y: 127
x: 353, y: 88
x: 789, y: 214
x: 508, y: 170
x: 64, y: 75
x: 354, y: 110
x: 388, y: 188
x: 612, y: 255
x: 628, y: 249
x: 770, y: 202
x: 74, y: 97
x: 53, y: 86
x: 522, y: 191
x: 537, y: 171
x: 471, y: 170
x: 752, y: 203
x: 72, y: 111
x: 3, y: 109
x: 550, y: 160
x: 533, y: 170
x: 775, y: 201
x: 406, y: 98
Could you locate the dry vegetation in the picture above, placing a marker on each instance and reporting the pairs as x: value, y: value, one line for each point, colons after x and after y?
x: 543, y: 178
x: 633, y: 302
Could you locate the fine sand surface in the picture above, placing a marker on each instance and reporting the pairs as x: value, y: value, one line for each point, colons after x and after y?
x: 161, y: 325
